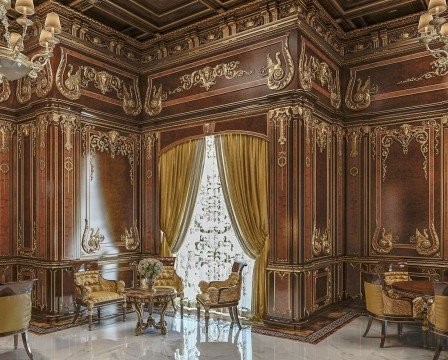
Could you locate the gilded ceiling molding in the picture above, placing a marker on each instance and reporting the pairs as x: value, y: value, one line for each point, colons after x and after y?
x: 382, y: 242
x: 105, y: 82
x: 428, y: 243
x: 131, y: 238
x: 204, y: 78
x: 277, y: 77
x: 6, y: 131
x: 358, y: 97
x: 91, y: 239
x: 6, y: 91
x: 311, y: 69
x: 114, y: 144
x: 41, y: 85
x: 322, y: 240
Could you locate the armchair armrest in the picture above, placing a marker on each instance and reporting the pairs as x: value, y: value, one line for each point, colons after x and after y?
x: 204, y: 286
x: 111, y: 285
x: 82, y: 293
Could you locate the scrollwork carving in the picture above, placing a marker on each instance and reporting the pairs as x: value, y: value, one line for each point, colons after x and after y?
x: 358, y: 96
x: 427, y: 243
x: 322, y: 240
x: 5, y: 133
x: 102, y: 80
x: 42, y: 85
x: 354, y: 136
x: 91, y: 239
x: 277, y: 77
x: 382, y: 242
x: 311, y: 69
x: 131, y: 238
x: 6, y: 90
x: 154, y: 98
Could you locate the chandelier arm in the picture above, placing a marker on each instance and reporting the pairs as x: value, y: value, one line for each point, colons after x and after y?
x: 39, y: 61
x: 7, y: 34
x: 440, y: 52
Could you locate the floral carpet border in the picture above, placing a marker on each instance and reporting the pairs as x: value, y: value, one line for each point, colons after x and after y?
x: 313, y: 338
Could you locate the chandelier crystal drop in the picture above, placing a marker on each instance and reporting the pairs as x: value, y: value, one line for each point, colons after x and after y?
x: 14, y: 64
x: 433, y: 27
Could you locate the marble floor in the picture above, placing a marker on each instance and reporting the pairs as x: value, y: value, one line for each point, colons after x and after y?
x: 114, y: 339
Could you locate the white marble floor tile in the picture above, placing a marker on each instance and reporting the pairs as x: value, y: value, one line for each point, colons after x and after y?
x: 114, y: 339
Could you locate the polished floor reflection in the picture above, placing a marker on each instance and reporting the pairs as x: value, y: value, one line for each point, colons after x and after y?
x: 113, y: 339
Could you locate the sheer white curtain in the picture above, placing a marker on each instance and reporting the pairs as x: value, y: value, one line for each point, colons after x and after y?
x: 211, y: 246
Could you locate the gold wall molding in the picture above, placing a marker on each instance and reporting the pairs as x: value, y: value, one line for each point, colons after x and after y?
x: 21, y: 249
x: 322, y: 240
x: 91, y: 239
x: 427, y: 243
x: 6, y: 91
x: 382, y: 242
x: 6, y: 132
x: 354, y: 136
x: 439, y: 69
x: 149, y: 141
x: 131, y: 238
x: 317, y: 133
x: 41, y: 85
x: 312, y: 69
x: 70, y: 85
x: 277, y: 76
x: 358, y: 95
x: 114, y: 144
x: 205, y: 78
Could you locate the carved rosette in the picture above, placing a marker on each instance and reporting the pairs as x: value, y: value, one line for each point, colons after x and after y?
x: 71, y: 84
x: 91, y: 239
x: 131, y: 238
x: 277, y: 76
x: 358, y: 95
x: 322, y: 241
x: 205, y: 78
x: 311, y: 69
x: 41, y: 85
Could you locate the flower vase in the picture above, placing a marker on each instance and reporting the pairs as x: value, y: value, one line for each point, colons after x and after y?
x: 150, y: 285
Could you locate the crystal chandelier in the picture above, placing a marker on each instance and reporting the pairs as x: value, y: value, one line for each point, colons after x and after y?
x: 434, y: 30
x: 13, y: 63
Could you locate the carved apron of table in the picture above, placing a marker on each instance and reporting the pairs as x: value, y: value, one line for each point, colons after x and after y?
x: 142, y: 298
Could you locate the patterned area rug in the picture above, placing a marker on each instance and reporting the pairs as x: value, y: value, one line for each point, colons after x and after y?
x: 45, y: 328
x: 325, y: 325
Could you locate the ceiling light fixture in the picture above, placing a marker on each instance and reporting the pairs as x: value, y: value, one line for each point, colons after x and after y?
x: 14, y: 64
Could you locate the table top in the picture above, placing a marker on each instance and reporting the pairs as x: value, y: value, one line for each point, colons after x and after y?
x: 145, y: 294
x: 415, y: 287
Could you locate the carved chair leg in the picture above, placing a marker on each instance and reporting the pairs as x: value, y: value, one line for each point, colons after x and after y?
x: 90, y: 314
x: 369, y: 324
x: 438, y: 347
x: 198, y: 312
x: 78, y: 310
x: 383, y: 333
x: 237, y: 319
x: 26, y: 344
x: 181, y: 307
x: 99, y: 314
x: 207, y: 319
x: 232, y: 317
x: 16, y: 341
x: 174, y: 305
x: 124, y: 310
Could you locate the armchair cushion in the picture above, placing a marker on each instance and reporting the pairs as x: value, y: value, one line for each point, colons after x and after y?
x: 221, y: 292
x: 102, y: 296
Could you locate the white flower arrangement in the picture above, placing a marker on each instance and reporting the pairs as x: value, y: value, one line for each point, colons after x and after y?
x: 150, y: 268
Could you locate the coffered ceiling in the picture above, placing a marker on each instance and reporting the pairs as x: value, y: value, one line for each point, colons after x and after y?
x: 355, y: 14
x: 145, y: 19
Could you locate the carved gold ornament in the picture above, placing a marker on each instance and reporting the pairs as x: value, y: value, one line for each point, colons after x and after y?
x: 131, y: 238
x: 114, y: 144
x: 6, y: 90
x: 22, y: 251
x: 358, y: 96
x: 322, y: 240
x: 41, y: 84
x: 91, y: 239
x: 311, y: 69
x: 277, y: 77
x: 5, y: 133
x: 382, y: 242
x: 154, y: 98
x: 427, y: 243
x: 105, y: 82
x: 149, y: 143
x: 354, y: 136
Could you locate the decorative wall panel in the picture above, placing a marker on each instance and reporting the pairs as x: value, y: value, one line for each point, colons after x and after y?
x: 6, y: 186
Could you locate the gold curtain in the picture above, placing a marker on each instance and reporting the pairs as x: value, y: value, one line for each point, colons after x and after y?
x: 180, y: 171
x: 243, y: 168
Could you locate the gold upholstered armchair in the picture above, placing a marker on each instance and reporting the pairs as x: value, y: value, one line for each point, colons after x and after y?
x: 438, y: 315
x: 222, y: 294
x: 15, y: 311
x: 394, y: 272
x: 170, y: 279
x: 92, y: 290
x: 388, y: 307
